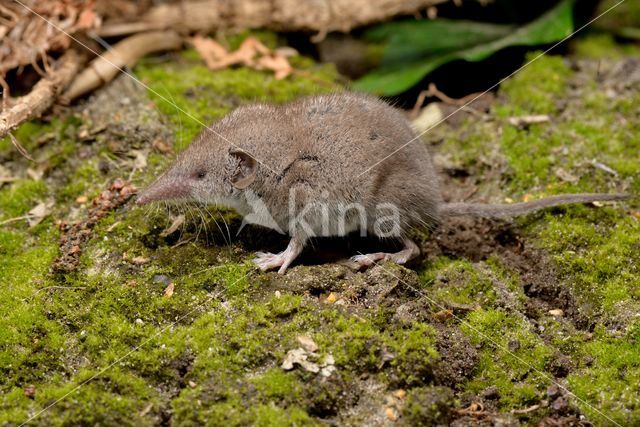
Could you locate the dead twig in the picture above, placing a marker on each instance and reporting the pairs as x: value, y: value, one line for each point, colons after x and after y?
x: 20, y: 148
x: 124, y: 54
x: 525, y: 410
x: 42, y: 95
x: 433, y: 90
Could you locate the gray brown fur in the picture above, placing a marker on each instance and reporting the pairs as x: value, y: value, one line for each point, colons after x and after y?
x: 319, y: 146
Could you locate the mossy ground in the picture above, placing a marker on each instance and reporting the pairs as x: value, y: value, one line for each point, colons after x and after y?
x: 104, y: 345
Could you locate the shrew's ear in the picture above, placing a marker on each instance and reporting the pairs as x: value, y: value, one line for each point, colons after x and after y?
x: 245, y: 172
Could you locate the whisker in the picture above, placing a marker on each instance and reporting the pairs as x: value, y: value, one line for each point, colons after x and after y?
x: 206, y: 209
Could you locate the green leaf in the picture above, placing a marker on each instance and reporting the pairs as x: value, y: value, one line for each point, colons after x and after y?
x: 416, y: 48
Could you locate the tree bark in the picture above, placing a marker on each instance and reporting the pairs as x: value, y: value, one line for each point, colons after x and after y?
x: 320, y: 16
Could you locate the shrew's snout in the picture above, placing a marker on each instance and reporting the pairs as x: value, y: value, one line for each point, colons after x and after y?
x: 164, y: 190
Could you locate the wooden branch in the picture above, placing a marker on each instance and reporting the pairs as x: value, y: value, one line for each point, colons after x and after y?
x: 42, y: 95
x: 124, y: 54
x: 279, y: 15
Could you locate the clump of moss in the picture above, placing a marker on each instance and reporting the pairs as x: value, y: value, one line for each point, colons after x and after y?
x: 20, y: 197
x: 608, y: 376
x: 537, y: 88
x: 600, y: 254
x: 429, y: 406
x: 513, y: 357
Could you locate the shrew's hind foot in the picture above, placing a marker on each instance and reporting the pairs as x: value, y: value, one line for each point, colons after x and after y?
x: 268, y: 261
x: 364, y: 261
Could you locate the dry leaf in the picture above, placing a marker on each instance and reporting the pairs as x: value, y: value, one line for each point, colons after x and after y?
x: 140, y: 160
x: 146, y: 410
x: 210, y: 50
x: 278, y: 64
x: 391, y: 414
x: 174, y: 226
x: 400, y: 393
x: 37, y: 214
x: 331, y: 298
x: 35, y: 174
x: 251, y: 53
x: 139, y: 260
x: 162, y: 146
x: 168, y: 292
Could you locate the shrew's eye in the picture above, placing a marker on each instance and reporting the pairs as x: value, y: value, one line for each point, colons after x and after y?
x: 201, y: 174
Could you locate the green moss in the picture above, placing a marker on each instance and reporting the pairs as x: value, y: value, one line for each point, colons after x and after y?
x: 537, y: 88
x: 513, y: 358
x: 599, y: 254
x: 602, y: 45
x: 607, y: 385
x: 85, y: 181
x: 277, y: 384
x: 426, y: 406
x: 618, y: 15
x: 20, y: 197
x: 459, y: 282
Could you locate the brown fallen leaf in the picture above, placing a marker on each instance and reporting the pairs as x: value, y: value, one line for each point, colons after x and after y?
x: 400, y: 393
x: 38, y: 213
x: 162, y: 146
x: 391, y: 414
x: 168, y: 292
x: 251, y: 53
x: 146, y: 410
x: 210, y: 50
x: 177, y: 222
x: 139, y: 260
x: 278, y: 64
x: 139, y: 161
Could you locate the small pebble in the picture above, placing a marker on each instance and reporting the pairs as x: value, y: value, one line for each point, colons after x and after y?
x: 161, y: 279
x: 139, y: 322
x: 307, y: 343
x: 556, y: 312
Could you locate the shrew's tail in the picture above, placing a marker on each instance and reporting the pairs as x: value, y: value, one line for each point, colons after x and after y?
x: 523, y: 208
